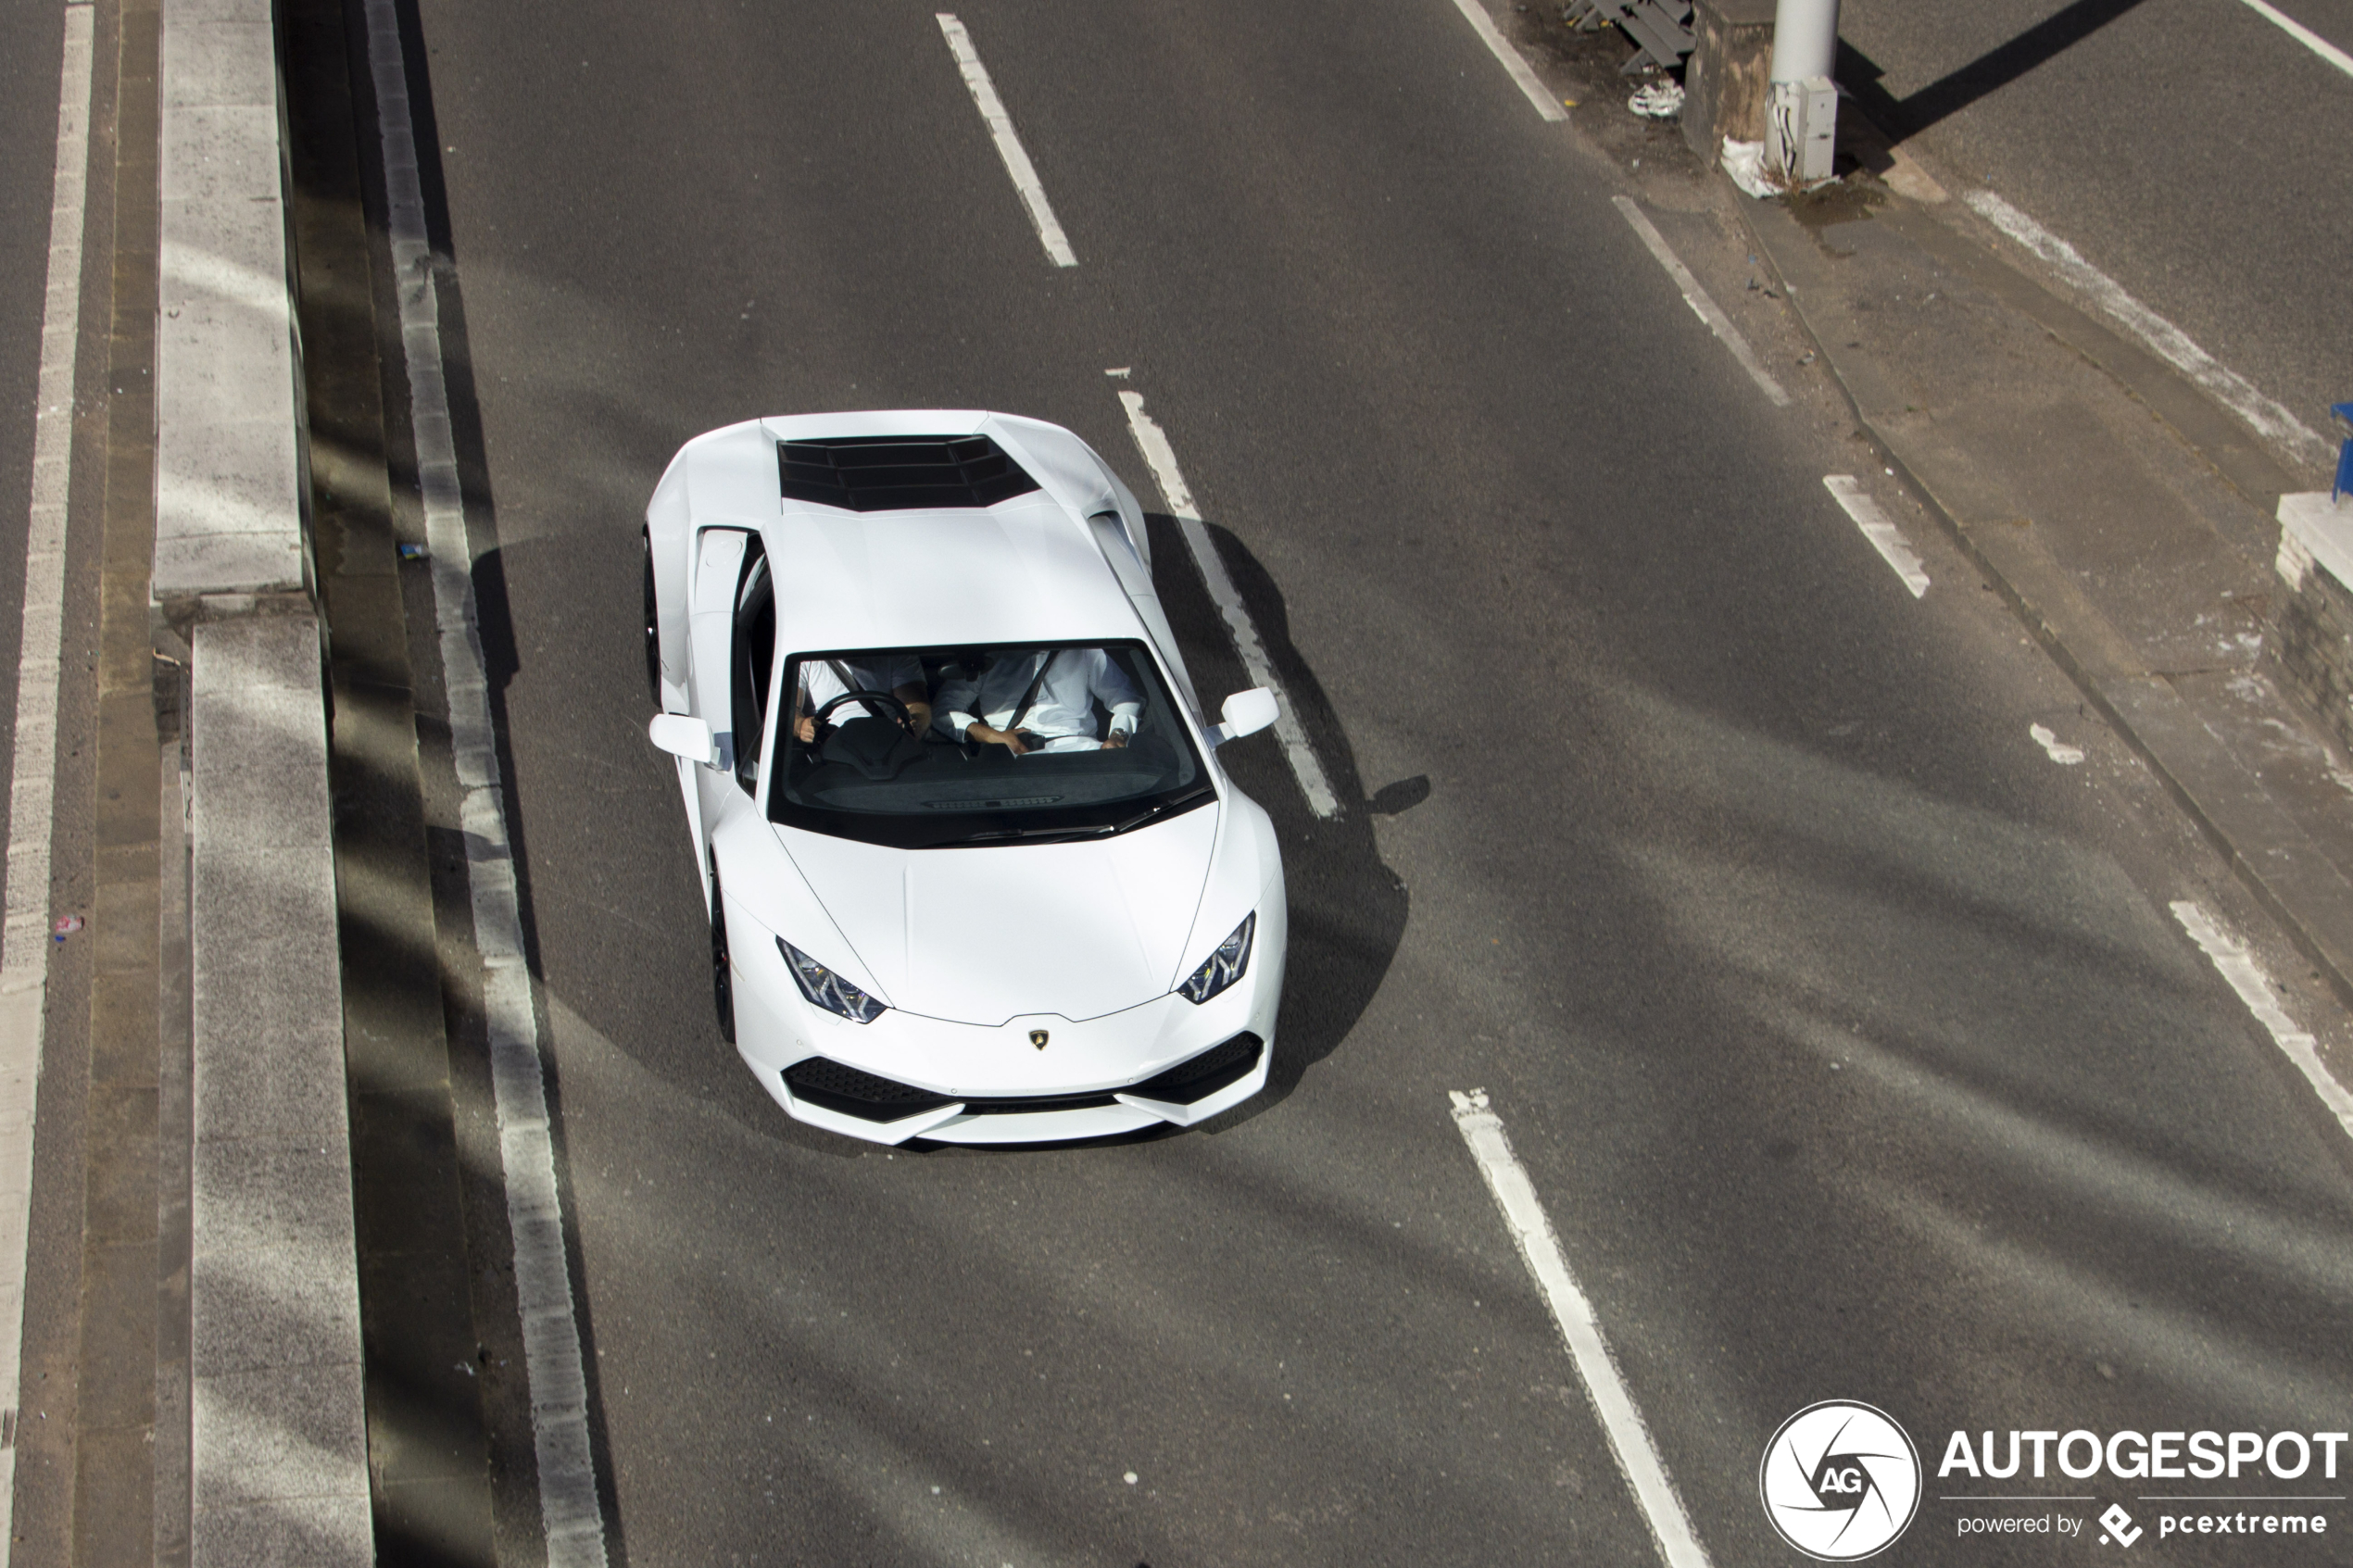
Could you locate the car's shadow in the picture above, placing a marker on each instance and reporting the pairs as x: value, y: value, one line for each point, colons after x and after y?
x: 1347, y: 910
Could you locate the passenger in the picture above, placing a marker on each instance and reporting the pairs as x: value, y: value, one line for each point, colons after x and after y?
x: 1041, y: 700
x: 822, y: 680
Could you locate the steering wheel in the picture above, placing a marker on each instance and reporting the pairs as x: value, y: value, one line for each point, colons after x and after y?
x: 906, y: 717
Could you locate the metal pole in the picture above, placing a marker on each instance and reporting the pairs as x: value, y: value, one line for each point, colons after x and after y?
x: 1804, y: 39
x: 1801, y: 121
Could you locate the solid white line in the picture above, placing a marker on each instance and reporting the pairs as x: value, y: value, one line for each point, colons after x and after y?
x: 2302, y: 35
x: 2268, y: 417
x: 1701, y: 306
x: 1498, y: 46
x: 2245, y: 976
x: 1161, y: 459
x: 1630, y: 1437
x: 24, y: 969
x: 1009, y: 147
x: 558, y: 1390
x: 1885, y: 537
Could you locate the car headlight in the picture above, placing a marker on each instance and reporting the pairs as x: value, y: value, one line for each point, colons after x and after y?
x: 826, y: 989
x: 1223, y: 967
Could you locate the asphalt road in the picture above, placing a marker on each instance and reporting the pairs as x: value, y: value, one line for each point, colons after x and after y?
x: 1845, y: 1035
x: 2190, y: 149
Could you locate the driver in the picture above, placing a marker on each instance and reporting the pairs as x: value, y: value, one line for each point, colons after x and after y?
x: 822, y: 680
x: 1040, y: 700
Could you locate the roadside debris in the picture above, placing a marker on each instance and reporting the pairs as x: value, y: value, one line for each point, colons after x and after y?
x: 1657, y: 100
x: 2064, y: 755
x: 66, y: 925
x: 1744, y: 161
x: 1659, y: 30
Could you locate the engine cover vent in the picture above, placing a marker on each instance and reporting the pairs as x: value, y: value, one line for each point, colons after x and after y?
x: 901, y: 474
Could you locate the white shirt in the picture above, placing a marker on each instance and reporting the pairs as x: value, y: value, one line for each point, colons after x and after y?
x: 1062, y: 713
x: 885, y: 672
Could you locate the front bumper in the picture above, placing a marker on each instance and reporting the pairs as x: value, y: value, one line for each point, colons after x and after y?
x: 825, y: 1094
x: 1166, y: 1062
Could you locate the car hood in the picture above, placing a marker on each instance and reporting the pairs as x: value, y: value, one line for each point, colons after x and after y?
x: 990, y: 933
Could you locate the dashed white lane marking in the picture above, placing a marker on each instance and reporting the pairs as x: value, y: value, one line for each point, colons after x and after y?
x: 1630, y: 1437
x: 2302, y: 35
x: 557, y: 1387
x: 24, y: 969
x: 2065, y: 756
x: 1701, y: 306
x: 1009, y: 147
x: 1497, y: 44
x: 1885, y: 537
x: 2267, y: 417
x: 2238, y: 967
x: 1161, y: 459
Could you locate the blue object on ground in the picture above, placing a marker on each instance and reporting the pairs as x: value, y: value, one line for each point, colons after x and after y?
x: 2344, y: 485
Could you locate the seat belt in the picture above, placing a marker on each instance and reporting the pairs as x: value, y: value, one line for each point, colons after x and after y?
x: 1029, y: 698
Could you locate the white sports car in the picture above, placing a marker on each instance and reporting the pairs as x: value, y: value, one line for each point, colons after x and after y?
x: 974, y: 872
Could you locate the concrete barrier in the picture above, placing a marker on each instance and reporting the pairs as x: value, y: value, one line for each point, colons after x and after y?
x: 1725, y: 82
x: 278, y: 1437
x: 2313, y: 619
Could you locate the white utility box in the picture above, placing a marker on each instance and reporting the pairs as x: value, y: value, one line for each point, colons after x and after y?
x: 1801, y: 129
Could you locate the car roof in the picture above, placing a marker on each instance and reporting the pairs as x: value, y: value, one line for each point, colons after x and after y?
x: 1024, y: 570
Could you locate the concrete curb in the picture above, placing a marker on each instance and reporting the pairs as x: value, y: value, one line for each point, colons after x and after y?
x: 277, y: 1432
x: 278, y: 1447
x: 2296, y: 883
x: 229, y: 483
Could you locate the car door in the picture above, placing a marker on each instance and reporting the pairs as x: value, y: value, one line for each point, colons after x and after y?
x: 728, y: 674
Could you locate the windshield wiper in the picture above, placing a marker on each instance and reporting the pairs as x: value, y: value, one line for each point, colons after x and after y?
x: 1031, y: 833
x: 1149, y: 812
x: 1105, y: 831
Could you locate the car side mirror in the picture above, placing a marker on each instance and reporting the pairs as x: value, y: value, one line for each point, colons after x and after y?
x: 684, y: 735
x: 1245, y: 713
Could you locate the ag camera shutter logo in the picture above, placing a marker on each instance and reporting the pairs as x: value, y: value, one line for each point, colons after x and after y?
x: 1840, y: 1481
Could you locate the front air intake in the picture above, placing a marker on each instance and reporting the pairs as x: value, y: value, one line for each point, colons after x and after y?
x: 901, y: 474
x: 853, y: 1093
x: 1193, y: 1081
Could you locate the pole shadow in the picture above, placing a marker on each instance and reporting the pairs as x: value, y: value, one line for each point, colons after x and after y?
x: 1905, y: 117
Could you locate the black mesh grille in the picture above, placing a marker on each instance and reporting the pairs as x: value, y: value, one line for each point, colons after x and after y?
x: 1024, y: 1105
x: 1204, y: 1075
x: 864, y: 1094
x: 898, y: 473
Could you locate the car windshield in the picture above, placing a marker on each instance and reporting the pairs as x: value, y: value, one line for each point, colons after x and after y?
x: 931, y: 747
